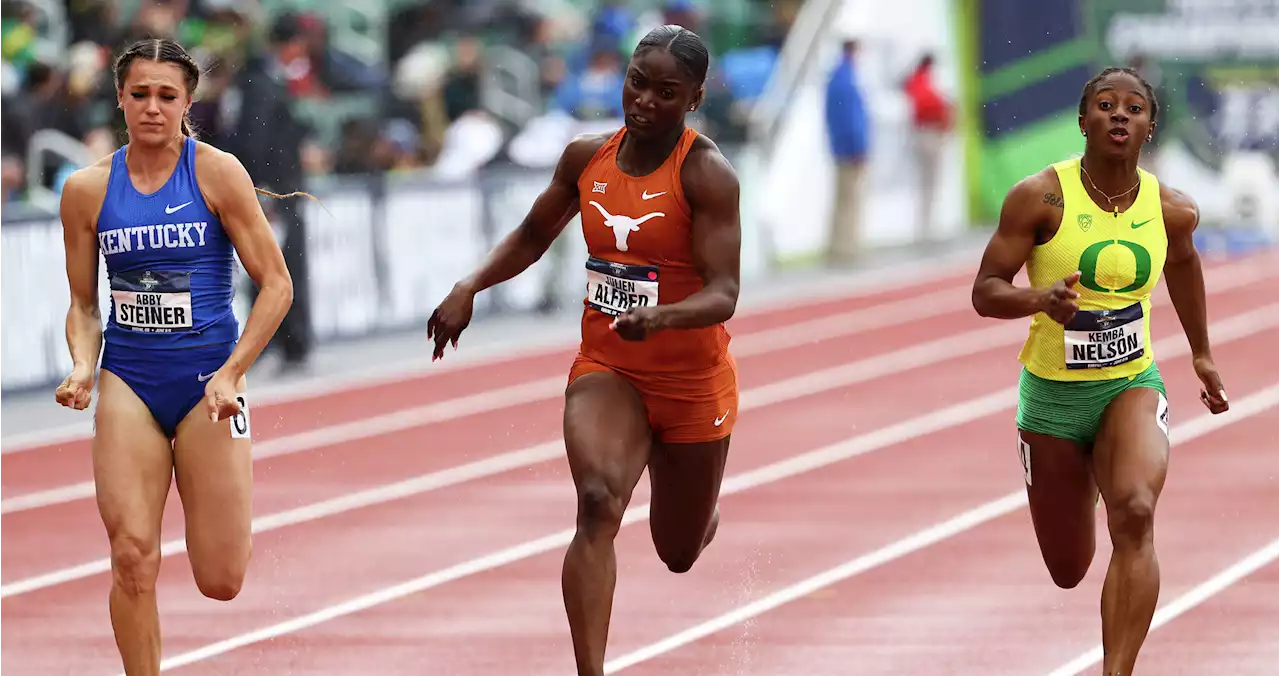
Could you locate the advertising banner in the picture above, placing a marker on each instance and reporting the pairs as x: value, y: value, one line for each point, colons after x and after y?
x: 1212, y: 63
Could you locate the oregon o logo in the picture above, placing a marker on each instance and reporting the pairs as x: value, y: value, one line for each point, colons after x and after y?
x: 1089, y: 266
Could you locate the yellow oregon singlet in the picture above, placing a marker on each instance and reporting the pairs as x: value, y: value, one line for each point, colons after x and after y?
x: 1120, y: 257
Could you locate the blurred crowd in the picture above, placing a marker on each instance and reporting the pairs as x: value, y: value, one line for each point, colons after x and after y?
x: 301, y: 89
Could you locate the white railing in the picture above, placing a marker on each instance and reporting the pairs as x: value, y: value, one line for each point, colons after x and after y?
x: 510, y: 84
x: 55, y: 35
x: 57, y: 143
x: 799, y: 55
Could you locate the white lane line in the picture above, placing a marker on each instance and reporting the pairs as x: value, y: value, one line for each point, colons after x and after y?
x: 847, y: 323
x: 773, y: 393
x: 853, y: 286
x: 885, y: 315
x: 1196, y: 427
x: 1246, y: 270
x: 1188, y: 600
x: 919, y: 426
x: 1225, y: 331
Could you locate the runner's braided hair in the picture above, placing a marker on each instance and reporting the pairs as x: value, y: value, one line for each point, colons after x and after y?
x: 1092, y: 84
x: 163, y: 50
x: 685, y: 45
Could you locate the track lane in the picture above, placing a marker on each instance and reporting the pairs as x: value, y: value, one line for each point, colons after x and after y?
x: 839, y: 296
x: 322, y: 420
x: 290, y: 481
x: 411, y: 535
x: 67, y: 467
x: 471, y: 588
x: 981, y: 602
x: 1234, y: 632
x: 770, y: 535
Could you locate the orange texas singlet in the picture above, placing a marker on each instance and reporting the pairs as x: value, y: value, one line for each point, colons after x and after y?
x: 640, y: 253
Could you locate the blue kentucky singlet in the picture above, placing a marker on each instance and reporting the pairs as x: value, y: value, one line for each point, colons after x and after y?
x: 169, y: 263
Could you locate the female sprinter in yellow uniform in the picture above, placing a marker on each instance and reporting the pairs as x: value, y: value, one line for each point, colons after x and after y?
x: 1095, y: 233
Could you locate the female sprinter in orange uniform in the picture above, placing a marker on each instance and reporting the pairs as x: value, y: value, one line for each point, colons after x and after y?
x: 168, y: 214
x: 654, y: 384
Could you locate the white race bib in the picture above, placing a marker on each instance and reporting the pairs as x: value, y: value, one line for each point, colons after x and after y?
x: 152, y: 302
x: 614, y: 288
x: 1096, y: 339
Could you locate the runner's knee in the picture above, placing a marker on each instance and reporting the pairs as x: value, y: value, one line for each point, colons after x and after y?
x: 135, y: 563
x: 1130, y: 518
x: 221, y: 579
x: 1068, y: 570
x: 600, y: 508
x: 681, y: 557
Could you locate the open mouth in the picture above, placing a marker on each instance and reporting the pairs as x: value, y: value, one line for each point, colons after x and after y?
x: 1119, y: 134
x: 638, y: 120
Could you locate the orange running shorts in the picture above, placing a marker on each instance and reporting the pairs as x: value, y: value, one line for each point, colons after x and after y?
x: 685, y: 408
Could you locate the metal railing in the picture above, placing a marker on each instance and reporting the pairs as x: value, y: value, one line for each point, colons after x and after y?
x: 510, y: 84
x: 799, y: 55
x: 59, y: 144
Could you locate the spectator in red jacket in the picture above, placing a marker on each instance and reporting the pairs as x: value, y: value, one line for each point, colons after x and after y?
x: 932, y: 119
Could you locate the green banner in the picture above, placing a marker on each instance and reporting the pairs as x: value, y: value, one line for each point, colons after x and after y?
x: 1213, y: 64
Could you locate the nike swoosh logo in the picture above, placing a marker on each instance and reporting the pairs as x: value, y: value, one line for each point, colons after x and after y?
x: 202, y: 377
x: 646, y: 196
x: 168, y: 209
x: 721, y: 419
x: 1135, y: 226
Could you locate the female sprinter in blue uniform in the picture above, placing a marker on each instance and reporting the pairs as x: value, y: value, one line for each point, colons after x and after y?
x: 168, y: 214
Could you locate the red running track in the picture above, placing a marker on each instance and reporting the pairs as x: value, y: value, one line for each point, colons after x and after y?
x: 509, y: 619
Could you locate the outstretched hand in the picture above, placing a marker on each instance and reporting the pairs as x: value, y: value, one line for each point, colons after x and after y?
x: 1058, y: 300
x: 449, y: 320
x: 1213, y: 395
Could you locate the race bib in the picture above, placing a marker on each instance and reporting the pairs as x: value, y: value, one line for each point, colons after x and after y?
x: 1100, y: 338
x: 614, y: 288
x: 152, y: 301
x: 240, y: 421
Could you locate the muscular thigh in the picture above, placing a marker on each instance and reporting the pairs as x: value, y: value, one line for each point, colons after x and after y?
x: 214, y: 468
x: 685, y: 484
x: 693, y: 409
x: 132, y: 463
x: 606, y: 432
x: 1132, y: 450
x: 1061, y: 495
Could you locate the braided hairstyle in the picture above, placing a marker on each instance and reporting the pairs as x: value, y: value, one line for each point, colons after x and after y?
x: 161, y: 50
x: 685, y: 45
x: 164, y: 50
x: 1093, y: 83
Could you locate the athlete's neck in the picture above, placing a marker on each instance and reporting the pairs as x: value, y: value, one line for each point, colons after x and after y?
x: 641, y: 157
x: 1108, y: 177
x: 155, y: 163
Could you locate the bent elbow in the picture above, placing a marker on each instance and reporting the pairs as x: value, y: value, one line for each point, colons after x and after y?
x: 730, y: 303
x: 286, y: 291
x: 280, y: 285
x: 978, y: 300
x: 86, y: 307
